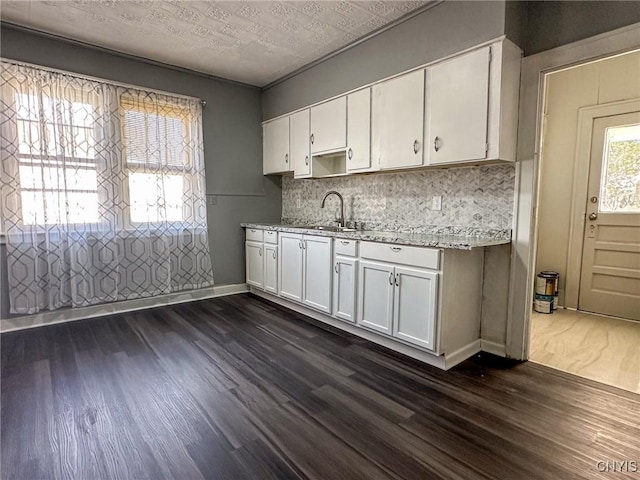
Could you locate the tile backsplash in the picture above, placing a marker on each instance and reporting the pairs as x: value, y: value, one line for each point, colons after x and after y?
x: 476, y: 200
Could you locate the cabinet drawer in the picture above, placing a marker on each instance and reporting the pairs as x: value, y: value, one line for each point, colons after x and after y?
x: 254, y: 234
x: 348, y: 248
x: 416, y: 256
x: 270, y: 236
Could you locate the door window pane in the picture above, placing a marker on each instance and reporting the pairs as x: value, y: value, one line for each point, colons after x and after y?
x: 620, y: 181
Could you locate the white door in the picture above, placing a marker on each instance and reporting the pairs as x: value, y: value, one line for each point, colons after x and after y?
x: 300, y: 144
x: 457, y: 109
x: 375, y: 296
x: 415, y: 306
x: 359, y: 130
x: 275, y: 144
x: 271, y: 268
x: 290, y: 266
x: 610, y: 278
x: 329, y: 125
x: 255, y: 265
x: 344, y: 288
x: 398, y: 121
x: 317, y: 273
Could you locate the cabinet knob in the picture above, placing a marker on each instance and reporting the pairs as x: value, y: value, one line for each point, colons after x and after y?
x: 416, y: 146
x: 306, y: 160
x: 336, y: 268
x: 350, y: 154
x: 390, y: 278
x: 300, y: 244
x: 397, y: 280
x: 436, y: 144
x: 260, y: 251
x: 312, y: 138
x: 286, y: 158
x: 395, y: 249
x: 344, y: 242
x: 273, y: 252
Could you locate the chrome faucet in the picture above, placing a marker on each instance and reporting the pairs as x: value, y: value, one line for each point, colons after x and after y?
x: 333, y: 192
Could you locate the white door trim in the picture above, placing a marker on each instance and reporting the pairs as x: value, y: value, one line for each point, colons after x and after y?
x: 533, y: 73
x: 586, y: 116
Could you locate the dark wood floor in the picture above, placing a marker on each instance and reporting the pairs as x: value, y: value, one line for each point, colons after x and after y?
x: 236, y: 387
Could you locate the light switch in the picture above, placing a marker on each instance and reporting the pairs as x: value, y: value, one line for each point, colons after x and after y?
x: 436, y: 202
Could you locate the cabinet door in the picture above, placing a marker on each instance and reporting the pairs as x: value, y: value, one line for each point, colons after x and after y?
x: 255, y: 265
x: 329, y: 125
x: 317, y: 272
x: 398, y: 121
x: 359, y: 130
x: 271, y: 268
x: 375, y: 296
x: 290, y: 266
x: 344, y: 288
x: 415, y: 306
x: 300, y: 144
x: 275, y: 144
x: 457, y: 108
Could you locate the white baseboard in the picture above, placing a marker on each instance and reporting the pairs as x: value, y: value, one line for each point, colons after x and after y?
x: 454, y: 358
x: 73, y: 314
x: 494, y: 348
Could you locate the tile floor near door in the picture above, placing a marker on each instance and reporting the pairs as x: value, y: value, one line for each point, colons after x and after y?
x: 599, y: 348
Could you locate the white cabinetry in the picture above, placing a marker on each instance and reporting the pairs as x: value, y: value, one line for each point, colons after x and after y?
x: 290, y: 266
x: 375, y: 296
x: 299, y: 139
x: 359, y: 131
x: 275, y: 146
x: 255, y: 265
x: 472, y: 106
x: 329, y: 126
x: 317, y: 272
x: 398, y: 121
x: 271, y: 268
x: 345, y: 274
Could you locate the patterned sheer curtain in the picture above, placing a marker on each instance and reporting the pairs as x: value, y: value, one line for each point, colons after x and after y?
x: 103, y: 191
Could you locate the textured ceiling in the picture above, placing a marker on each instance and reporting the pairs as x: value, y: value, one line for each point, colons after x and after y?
x: 254, y: 42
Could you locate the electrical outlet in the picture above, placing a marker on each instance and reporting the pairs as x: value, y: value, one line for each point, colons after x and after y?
x: 436, y: 202
x: 213, y: 199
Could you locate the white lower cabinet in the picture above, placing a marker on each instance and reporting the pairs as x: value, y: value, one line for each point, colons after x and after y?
x: 415, y: 306
x: 399, y: 301
x: 344, y: 288
x: 271, y: 268
x: 290, y: 271
x: 375, y: 296
x: 317, y: 272
x: 255, y: 264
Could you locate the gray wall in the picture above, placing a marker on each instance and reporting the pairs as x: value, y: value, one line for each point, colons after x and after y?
x: 442, y: 30
x: 552, y: 24
x: 232, y: 136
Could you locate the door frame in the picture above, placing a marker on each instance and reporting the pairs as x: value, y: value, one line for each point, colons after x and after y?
x: 535, y: 69
x: 586, y: 117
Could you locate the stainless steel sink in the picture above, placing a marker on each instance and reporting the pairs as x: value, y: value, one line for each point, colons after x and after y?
x: 326, y: 228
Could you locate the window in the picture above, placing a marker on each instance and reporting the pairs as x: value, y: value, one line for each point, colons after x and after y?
x: 56, y: 155
x: 620, y: 186
x: 157, y: 156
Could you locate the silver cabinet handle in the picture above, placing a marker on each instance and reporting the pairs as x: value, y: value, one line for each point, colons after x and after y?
x: 304, y: 244
x: 312, y: 138
x: 253, y: 231
x: 350, y: 154
x: 260, y: 251
x: 436, y: 144
x: 344, y: 242
x: 395, y: 249
x: 416, y: 146
x: 336, y: 268
x: 306, y: 160
x: 397, y: 280
x: 390, y: 278
x: 300, y: 244
x: 273, y: 253
x: 286, y: 158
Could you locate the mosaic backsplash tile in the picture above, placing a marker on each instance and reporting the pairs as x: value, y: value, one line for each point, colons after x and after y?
x: 475, y: 200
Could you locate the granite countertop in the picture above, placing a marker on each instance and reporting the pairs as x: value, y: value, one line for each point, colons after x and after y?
x: 400, y: 238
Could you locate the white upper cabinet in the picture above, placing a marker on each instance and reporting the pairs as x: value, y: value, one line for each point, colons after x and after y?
x: 300, y: 155
x: 398, y: 121
x: 472, y: 106
x: 275, y: 146
x: 359, y: 131
x: 329, y: 126
x: 457, y: 108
